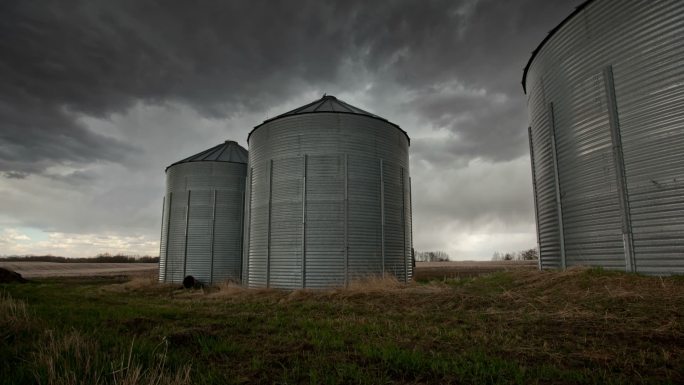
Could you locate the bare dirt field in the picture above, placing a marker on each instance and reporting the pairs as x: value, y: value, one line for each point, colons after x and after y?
x: 53, y: 269
x: 464, y: 269
x: 424, y: 270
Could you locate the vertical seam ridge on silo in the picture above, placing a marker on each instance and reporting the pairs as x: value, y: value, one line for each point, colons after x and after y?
x: 168, y: 228
x: 623, y: 193
x: 559, y: 197
x: 161, y: 237
x: 303, y: 273
x: 534, y: 192
x: 382, y: 215
x: 187, y: 230
x: 213, y: 238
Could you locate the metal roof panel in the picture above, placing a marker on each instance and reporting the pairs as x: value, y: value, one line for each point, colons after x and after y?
x: 327, y: 103
x: 228, y: 151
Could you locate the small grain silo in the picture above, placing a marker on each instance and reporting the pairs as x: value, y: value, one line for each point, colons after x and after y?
x: 606, y: 110
x: 202, y: 220
x: 328, y: 198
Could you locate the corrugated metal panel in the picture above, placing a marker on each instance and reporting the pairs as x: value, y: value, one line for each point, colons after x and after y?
x: 649, y: 89
x: 176, y: 241
x: 227, y: 244
x: 642, y: 43
x: 246, y: 228
x: 200, y: 223
x: 204, y: 233
x: 590, y: 203
x: 286, y: 223
x: 406, y: 224
x: 343, y: 155
x: 257, y: 254
x: 164, y: 237
x: 325, y: 221
x: 395, y: 261
x: 409, y: 224
x: 365, y: 218
x: 534, y: 189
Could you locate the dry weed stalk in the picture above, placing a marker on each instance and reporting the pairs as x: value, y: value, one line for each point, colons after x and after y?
x: 66, y: 360
x: 374, y: 284
x: 131, y: 373
x: 136, y: 283
x: 581, y: 281
x: 13, y: 312
x: 227, y: 289
x: 74, y: 359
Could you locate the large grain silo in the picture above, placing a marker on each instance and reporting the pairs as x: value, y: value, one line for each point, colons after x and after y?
x: 202, y: 219
x: 328, y: 198
x: 606, y: 108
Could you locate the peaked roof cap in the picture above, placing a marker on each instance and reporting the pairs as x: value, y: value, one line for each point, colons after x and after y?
x: 327, y: 103
x: 228, y: 151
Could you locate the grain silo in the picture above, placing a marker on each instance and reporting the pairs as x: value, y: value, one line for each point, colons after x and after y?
x: 202, y: 219
x: 328, y: 198
x: 606, y: 110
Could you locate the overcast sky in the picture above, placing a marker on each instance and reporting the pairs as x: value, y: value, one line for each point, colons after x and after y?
x: 98, y: 97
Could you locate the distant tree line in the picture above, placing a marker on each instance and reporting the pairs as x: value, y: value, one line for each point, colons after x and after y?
x: 432, y: 256
x: 100, y: 258
x: 523, y: 255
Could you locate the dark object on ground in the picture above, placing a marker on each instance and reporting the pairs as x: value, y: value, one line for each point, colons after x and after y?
x: 190, y: 282
x: 9, y: 276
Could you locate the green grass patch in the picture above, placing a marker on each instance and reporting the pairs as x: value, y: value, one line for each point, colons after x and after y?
x: 523, y: 327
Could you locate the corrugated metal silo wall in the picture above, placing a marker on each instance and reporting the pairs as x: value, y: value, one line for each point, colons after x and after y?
x: 206, y: 198
x: 328, y: 202
x: 607, y: 91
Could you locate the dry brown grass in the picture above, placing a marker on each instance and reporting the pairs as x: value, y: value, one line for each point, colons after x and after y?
x: 131, y: 373
x: 375, y: 284
x: 538, y: 286
x: 372, y: 291
x: 147, y: 282
x: 13, y: 314
x: 578, y: 282
x: 66, y: 360
x: 74, y: 359
x: 227, y: 289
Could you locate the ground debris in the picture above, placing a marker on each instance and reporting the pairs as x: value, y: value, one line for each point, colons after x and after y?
x: 9, y: 276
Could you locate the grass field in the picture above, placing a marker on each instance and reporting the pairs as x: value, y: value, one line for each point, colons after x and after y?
x: 521, y: 326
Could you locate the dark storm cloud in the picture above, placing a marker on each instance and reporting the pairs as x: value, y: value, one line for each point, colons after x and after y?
x: 482, y: 58
x: 36, y: 135
x: 478, y: 124
x: 65, y: 59
x: 99, y: 96
x: 15, y: 175
x: 481, y: 43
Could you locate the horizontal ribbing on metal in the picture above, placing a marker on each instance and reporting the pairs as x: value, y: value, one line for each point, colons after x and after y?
x: 326, y: 139
x: 206, y: 204
x: 642, y: 44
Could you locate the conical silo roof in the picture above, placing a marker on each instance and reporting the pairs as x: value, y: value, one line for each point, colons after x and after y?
x: 327, y: 103
x: 228, y: 151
